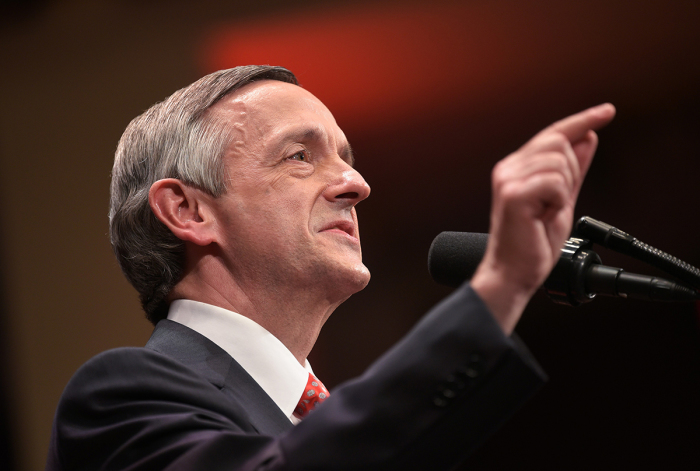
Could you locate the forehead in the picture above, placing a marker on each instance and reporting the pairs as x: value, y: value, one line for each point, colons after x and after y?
x: 271, y: 108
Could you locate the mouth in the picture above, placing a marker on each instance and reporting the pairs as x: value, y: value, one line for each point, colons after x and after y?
x: 341, y: 226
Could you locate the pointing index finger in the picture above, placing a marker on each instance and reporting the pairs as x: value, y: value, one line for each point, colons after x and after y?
x: 576, y: 126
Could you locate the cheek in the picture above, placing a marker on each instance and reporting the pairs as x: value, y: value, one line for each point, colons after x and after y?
x: 270, y: 204
x: 292, y: 197
x: 279, y: 212
x: 292, y: 207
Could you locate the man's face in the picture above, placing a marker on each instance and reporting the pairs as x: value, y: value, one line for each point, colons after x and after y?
x: 288, y: 218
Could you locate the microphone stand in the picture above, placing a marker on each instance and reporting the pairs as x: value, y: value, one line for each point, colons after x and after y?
x: 579, y: 275
x: 619, y: 241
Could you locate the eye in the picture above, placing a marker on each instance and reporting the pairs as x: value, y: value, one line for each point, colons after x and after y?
x: 301, y: 156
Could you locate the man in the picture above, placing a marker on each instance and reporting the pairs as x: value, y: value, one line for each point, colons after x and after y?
x: 233, y: 215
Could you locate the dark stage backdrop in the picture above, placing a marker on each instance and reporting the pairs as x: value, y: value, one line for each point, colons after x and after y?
x: 431, y: 96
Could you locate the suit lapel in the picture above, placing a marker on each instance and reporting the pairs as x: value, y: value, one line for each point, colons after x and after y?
x: 216, y: 366
x: 242, y: 388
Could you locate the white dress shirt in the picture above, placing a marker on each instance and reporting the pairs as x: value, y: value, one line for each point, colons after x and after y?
x: 260, y: 353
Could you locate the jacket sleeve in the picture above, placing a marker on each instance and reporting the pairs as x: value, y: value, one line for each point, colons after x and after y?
x: 425, y: 404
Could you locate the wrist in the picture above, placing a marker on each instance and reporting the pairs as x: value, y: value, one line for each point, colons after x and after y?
x: 505, y: 298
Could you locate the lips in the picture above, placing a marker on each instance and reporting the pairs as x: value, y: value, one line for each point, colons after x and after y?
x: 347, y: 227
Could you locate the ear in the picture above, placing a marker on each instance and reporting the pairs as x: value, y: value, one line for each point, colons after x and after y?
x: 183, y: 210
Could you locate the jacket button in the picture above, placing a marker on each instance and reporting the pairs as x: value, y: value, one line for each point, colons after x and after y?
x: 473, y: 367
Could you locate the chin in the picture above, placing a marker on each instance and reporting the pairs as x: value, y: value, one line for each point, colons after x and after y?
x: 350, y: 279
x: 362, y: 277
x: 359, y: 278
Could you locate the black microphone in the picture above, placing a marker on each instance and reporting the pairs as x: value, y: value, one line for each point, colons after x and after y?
x: 577, y: 278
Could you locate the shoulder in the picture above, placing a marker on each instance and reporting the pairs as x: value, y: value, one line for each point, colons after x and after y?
x: 132, y: 368
x: 132, y: 375
x: 135, y: 398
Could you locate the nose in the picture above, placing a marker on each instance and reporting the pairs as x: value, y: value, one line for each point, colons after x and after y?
x: 347, y: 187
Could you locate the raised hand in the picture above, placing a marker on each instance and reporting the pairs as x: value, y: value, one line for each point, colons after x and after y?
x: 534, y: 194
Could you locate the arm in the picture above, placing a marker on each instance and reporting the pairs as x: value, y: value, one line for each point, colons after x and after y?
x: 425, y: 404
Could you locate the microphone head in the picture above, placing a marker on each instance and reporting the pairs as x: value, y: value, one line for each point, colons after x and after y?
x: 454, y: 256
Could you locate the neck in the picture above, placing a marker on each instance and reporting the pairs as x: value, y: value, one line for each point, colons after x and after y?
x: 293, y: 314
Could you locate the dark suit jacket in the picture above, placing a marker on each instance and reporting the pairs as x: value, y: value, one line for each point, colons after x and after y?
x: 182, y: 403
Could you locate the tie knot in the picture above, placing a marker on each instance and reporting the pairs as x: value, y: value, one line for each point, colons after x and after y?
x: 314, y: 394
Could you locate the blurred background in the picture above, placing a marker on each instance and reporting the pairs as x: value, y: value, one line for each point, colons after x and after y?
x: 431, y: 96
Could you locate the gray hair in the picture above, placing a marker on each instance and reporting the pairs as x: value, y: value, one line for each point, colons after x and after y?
x: 175, y: 138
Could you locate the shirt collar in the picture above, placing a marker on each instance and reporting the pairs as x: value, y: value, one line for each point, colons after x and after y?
x: 260, y: 353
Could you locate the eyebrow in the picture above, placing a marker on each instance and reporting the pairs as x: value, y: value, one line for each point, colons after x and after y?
x: 314, y: 134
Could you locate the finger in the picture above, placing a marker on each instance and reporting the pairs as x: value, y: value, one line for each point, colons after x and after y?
x: 576, y: 127
x: 585, y: 150
x: 556, y: 142
x: 563, y: 162
x: 537, y: 197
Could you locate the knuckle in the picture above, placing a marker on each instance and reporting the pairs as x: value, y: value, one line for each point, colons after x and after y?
x: 499, y: 174
x: 560, y: 183
x: 511, y: 192
x: 558, y: 140
x: 554, y: 181
x: 562, y: 161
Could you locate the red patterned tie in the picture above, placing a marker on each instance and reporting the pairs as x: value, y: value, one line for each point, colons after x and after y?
x: 314, y: 394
